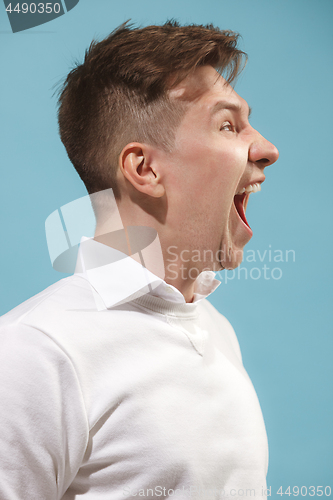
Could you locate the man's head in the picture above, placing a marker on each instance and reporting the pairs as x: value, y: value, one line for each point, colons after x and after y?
x: 149, y: 115
x: 120, y: 94
x: 217, y: 160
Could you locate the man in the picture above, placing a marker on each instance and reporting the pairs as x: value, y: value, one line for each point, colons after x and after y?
x: 117, y: 383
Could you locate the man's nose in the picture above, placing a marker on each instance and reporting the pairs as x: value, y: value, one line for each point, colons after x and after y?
x: 262, y: 152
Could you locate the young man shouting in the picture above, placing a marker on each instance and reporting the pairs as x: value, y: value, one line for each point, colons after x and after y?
x: 123, y: 381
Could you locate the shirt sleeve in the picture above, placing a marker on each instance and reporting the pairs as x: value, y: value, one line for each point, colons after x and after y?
x: 43, y: 424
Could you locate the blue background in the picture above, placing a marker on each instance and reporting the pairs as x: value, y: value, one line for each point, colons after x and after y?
x: 284, y: 325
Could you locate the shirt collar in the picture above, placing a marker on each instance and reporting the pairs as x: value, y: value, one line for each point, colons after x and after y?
x: 117, y: 278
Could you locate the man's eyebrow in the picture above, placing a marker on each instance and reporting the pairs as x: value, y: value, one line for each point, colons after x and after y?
x: 228, y: 105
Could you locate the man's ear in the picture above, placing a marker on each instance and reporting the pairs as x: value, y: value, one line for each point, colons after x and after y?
x: 136, y: 162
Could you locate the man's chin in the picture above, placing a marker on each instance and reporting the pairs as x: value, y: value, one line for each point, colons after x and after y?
x: 232, y: 259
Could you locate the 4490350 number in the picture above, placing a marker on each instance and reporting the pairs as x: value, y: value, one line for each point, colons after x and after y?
x: 33, y: 8
x: 312, y: 491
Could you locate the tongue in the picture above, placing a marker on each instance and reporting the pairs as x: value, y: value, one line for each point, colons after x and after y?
x: 239, y: 204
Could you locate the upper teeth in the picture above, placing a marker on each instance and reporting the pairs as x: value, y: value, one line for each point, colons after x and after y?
x: 251, y: 188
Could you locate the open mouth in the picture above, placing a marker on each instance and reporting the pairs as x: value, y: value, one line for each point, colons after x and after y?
x: 241, y: 200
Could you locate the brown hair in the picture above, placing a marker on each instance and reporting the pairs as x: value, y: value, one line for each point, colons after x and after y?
x: 120, y: 92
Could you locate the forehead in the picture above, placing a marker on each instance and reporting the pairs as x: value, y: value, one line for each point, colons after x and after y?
x: 205, y: 90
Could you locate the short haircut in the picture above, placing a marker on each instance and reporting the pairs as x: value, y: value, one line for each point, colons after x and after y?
x: 119, y: 94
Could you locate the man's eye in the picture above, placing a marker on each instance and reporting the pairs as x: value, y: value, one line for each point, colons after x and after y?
x: 227, y: 126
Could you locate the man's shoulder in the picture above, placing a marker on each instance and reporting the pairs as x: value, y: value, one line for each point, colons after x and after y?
x: 217, y: 323
x: 45, y: 326
x: 65, y: 294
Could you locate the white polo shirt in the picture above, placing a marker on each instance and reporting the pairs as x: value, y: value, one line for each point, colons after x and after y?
x: 113, y: 387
